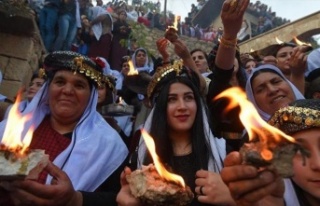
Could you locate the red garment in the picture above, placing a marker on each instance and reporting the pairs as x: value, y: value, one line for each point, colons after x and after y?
x: 101, y: 48
x: 46, y: 138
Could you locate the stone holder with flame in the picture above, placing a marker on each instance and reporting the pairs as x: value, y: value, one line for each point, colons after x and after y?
x: 147, y: 185
x: 269, y: 148
x: 172, y: 32
x: 279, y: 156
x: 154, y: 185
x: 17, y: 161
x: 16, y: 166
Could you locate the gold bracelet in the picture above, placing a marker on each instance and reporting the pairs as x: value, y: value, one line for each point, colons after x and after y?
x: 228, y: 43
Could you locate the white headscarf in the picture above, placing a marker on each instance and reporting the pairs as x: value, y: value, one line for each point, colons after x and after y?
x: 97, y: 28
x: 96, y: 149
x: 218, y: 146
x: 313, y: 61
x: 115, y: 73
x: 148, y: 65
x: 249, y: 91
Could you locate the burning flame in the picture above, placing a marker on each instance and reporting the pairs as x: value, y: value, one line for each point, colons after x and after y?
x: 252, y: 50
x: 120, y: 100
x: 12, y: 137
x: 158, y: 165
x: 279, y: 41
x: 250, y: 118
x: 175, y: 23
x: 132, y: 70
x: 300, y: 43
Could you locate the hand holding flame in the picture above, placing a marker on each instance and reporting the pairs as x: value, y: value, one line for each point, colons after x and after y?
x: 248, y: 185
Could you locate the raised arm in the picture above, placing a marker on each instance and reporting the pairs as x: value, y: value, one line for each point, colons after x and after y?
x: 231, y: 15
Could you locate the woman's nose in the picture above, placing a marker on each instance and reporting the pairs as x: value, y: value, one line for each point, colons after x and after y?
x: 272, y: 89
x: 67, y: 89
x: 181, y: 104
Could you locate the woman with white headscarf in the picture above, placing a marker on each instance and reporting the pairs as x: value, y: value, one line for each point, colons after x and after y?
x: 101, y: 25
x: 183, y: 139
x: 84, y: 151
x: 269, y: 90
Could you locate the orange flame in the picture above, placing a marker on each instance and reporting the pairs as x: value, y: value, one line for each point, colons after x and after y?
x: 132, y: 70
x: 175, y: 23
x: 279, y: 41
x: 158, y: 165
x: 300, y: 43
x: 12, y: 138
x: 251, y: 120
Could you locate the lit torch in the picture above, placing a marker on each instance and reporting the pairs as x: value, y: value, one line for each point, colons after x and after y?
x: 155, y: 185
x: 172, y: 31
x: 268, y: 147
x: 16, y: 159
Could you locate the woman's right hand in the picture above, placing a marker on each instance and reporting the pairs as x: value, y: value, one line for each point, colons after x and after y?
x: 162, y: 45
x: 124, y: 197
x: 248, y: 186
x: 231, y: 15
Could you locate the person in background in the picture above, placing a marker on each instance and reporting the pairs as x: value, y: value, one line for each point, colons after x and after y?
x: 200, y: 58
x: 248, y: 62
x: 68, y: 21
x: 101, y: 26
x: 121, y: 32
x: 85, y: 153
x: 37, y: 80
x: 47, y: 22
x: 269, y: 90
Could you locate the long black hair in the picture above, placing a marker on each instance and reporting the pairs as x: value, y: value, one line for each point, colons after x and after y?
x: 159, y: 126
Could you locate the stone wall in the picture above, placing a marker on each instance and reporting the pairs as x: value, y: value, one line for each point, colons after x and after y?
x: 152, y: 35
x: 21, y: 49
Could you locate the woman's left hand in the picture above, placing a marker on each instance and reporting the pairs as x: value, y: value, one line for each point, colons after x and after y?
x: 124, y: 197
x: 211, y: 189
x: 59, y: 192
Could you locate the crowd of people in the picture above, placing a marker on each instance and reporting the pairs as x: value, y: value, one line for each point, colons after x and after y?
x: 88, y: 116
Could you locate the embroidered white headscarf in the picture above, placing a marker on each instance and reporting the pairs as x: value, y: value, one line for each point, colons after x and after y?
x: 96, y: 149
x: 249, y: 90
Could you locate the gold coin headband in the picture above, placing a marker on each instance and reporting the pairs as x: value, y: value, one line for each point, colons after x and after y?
x: 76, y: 62
x: 108, y: 81
x: 161, y: 73
x: 81, y: 67
x: 291, y: 119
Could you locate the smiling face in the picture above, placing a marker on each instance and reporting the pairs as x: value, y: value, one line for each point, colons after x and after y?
x: 34, y: 87
x: 200, y: 61
x: 69, y: 95
x: 182, y: 108
x: 271, y: 92
x: 307, y: 176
